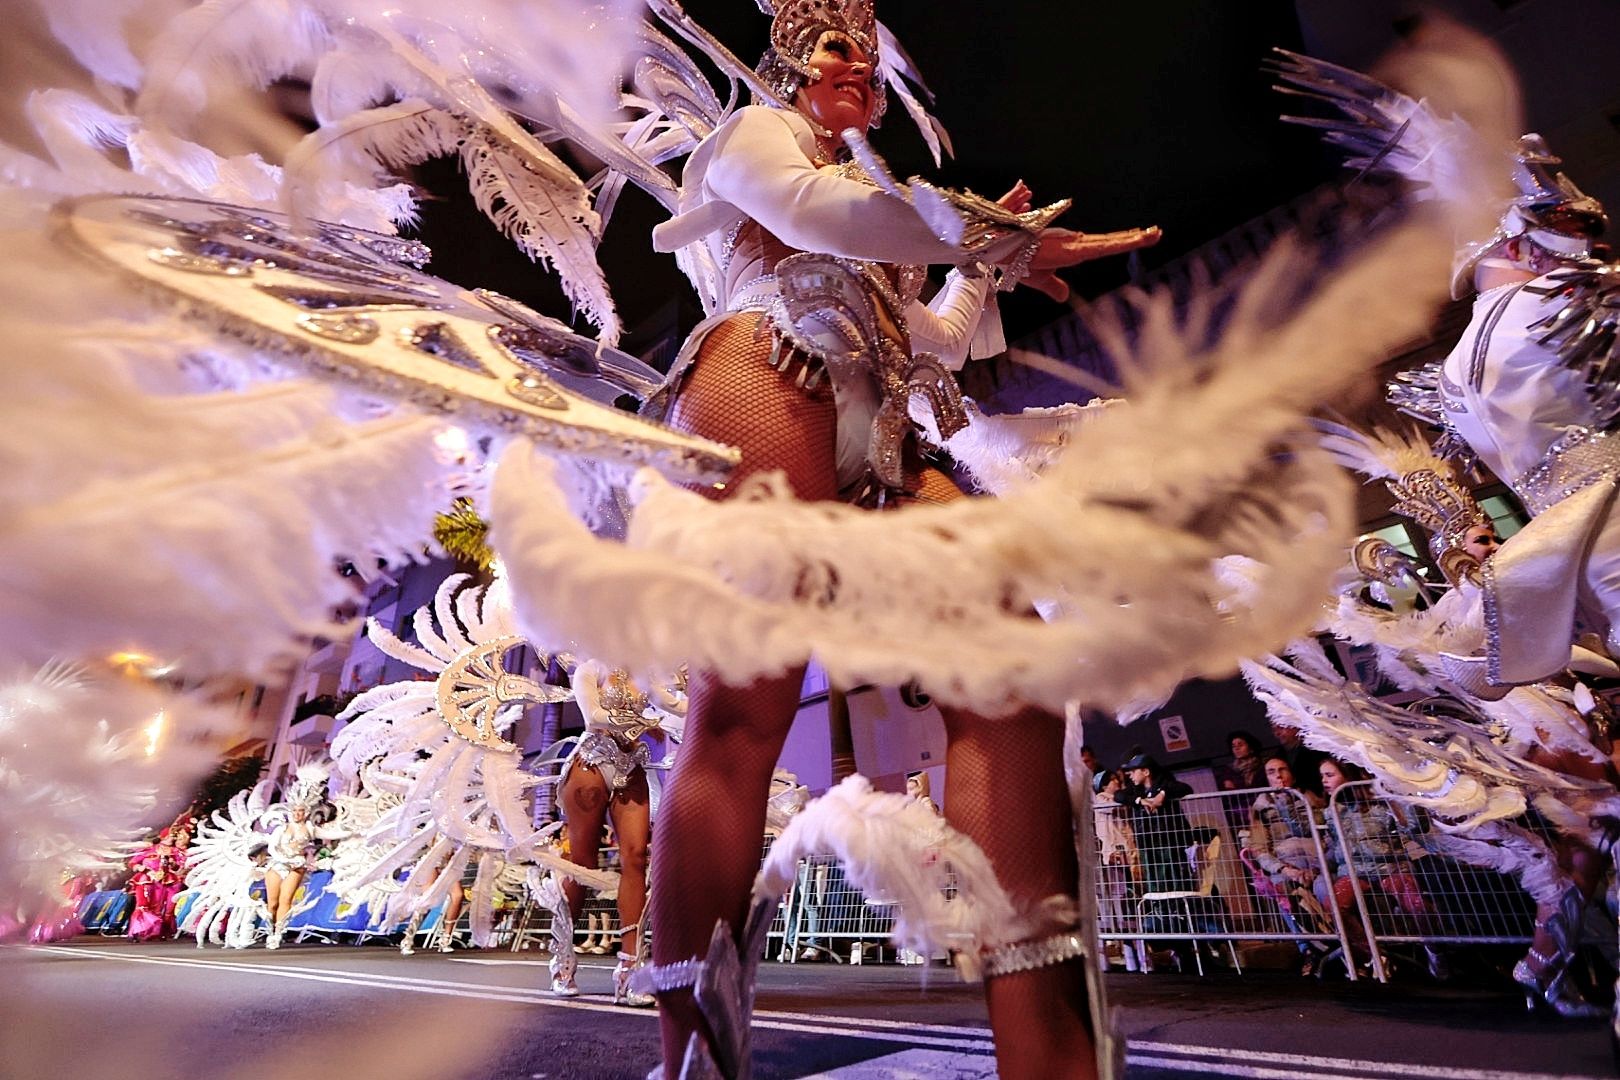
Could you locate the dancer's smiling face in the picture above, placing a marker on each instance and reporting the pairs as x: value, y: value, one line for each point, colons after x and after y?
x: 846, y: 93
x: 1481, y: 542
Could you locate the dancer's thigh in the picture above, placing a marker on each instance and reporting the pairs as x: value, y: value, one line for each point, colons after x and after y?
x: 731, y: 394
x: 584, y: 798
x: 630, y: 811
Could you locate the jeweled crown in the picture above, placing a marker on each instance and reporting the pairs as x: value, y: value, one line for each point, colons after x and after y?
x: 796, y: 28
x: 1436, y: 500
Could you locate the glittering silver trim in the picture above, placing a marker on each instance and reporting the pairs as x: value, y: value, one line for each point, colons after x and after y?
x: 665, y: 978
x: 846, y: 314
x: 1029, y: 955
x: 198, y: 264
x: 1482, y: 340
x: 1493, y: 621
x: 616, y: 761
x: 118, y: 232
x: 349, y: 329
x: 1579, y: 458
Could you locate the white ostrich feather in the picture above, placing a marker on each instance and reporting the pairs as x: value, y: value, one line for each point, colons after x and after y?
x: 1122, y: 528
x: 898, y: 70
x: 1003, y: 451
x: 1449, y: 767
x: 1510, y: 849
x: 547, y: 212
x: 1411, y: 649
x: 221, y: 872
x: 84, y: 774
x: 395, y: 136
x: 107, y: 36
x: 897, y: 850
x: 226, y: 43
x: 1379, y: 454
x: 1449, y: 135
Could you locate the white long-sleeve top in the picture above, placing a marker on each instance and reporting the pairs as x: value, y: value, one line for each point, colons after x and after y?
x: 1509, y: 396
x: 760, y: 165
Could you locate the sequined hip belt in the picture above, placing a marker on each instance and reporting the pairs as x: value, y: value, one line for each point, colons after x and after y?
x: 1578, y: 459
x: 616, y: 762
x: 844, y: 317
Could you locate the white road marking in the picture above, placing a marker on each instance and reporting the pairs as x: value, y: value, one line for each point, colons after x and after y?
x: 914, y: 1065
x: 1184, y: 1057
x: 1174, y: 1064
x: 917, y: 1034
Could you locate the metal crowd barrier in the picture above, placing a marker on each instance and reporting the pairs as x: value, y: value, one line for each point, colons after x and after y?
x: 1227, y: 867
x: 830, y: 919
x: 1402, y: 882
x: 1262, y: 865
x: 596, y: 925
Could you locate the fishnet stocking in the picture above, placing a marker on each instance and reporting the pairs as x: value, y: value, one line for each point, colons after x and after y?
x: 712, y: 819
x: 1005, y: 788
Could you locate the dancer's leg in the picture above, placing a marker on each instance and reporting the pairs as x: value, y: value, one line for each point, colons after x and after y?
x: 711, y: 822
x: 289, y: 893
x: 1006, y: 790
x: 711, y: 826
x: 272, y: 894
x: 584, y: 799
x: 632, y: 828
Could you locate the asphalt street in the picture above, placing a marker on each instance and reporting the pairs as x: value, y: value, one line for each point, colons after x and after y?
x: 105, y: 1008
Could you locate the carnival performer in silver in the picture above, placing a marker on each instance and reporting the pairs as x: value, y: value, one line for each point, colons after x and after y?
x: 605, y: 778
x: 1532, y: 389
x: 1440, y: 651
x: 292, y: 846
x: 807, y: 246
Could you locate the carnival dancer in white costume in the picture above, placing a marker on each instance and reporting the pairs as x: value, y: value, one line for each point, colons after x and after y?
x: 606, y: 778
x: 787, y: 219
x: 1532, y: 388
x: 437, y: 751
x: 293, y: 836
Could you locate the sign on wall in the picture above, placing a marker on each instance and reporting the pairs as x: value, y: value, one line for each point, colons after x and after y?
x: 1174, y: 731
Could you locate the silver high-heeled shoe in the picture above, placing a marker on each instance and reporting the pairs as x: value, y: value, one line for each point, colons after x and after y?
x: 1552, y: 991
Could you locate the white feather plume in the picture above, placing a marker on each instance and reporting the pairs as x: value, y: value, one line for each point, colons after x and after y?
x: 221, y: 872
x: 394, y: 136
x: 895, y: 849
x: 1122, y: 529
x: 83, y: 776
x: 1379, y: 454
x: 226, y: 44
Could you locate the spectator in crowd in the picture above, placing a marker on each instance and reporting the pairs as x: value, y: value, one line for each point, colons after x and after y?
x: 918, y: 788
x: 1163, y: 833
x: 1281, y: 827
x: 1088, y: 758
x: 1121, y: 861
x: 1246, y: 769
x: 1303, y: 762
x: 1369, y: 840
x: 1372, y: 837
x: 1282, y: 847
